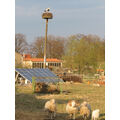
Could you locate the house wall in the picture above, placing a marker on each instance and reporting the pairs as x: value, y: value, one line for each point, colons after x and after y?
x: 30, y: 64
x: 27, y: 64
x: 48, y: 64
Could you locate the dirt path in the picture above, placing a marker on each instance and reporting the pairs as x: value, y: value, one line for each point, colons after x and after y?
x: 20, y: 115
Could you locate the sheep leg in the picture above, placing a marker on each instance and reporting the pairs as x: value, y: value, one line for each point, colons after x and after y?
x: 47, y: 113
x: 73, y: 116
x: 51, y: 116
x: 70, y: 116
x: 54, y: 114
x: 85, y: 117
x: 93, y: 118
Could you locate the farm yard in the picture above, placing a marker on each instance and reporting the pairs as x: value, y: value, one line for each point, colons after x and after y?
x: 62, y: 72
x: 80, y: 63
x: 30, y: 106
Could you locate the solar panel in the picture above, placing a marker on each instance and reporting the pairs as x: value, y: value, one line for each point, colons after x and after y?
x: 42, y: 75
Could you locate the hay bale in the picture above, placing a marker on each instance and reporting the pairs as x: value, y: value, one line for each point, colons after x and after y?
x: 41, y: 87
x: 44, y: 88
x: 73, y: 78
x: 53, y: 88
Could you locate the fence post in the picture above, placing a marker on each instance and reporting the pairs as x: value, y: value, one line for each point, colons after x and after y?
x: 61, y: 88
x: 33, y: 84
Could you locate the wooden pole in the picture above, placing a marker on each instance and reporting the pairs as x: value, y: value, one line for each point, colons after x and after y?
x: 45, y: 45
x: 33, y: 84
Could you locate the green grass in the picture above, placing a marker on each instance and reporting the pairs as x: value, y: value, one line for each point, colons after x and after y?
x: 30, y: 106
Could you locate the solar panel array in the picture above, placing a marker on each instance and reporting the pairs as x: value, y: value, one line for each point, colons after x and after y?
x: 42, y: 75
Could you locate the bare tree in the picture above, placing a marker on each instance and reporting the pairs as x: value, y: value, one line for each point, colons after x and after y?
x: 20, y: 43
x: 55, y: 47
x: 37, y: 47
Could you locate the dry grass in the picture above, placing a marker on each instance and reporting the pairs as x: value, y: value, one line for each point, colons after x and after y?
x: 30, y: 106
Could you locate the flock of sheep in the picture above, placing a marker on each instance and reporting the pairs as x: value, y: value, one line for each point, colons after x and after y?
x: 72, y: 108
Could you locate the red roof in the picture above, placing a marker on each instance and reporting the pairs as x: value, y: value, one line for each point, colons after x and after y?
x: 42, y: 60
x: 27, y: 57
x: 100, y: 70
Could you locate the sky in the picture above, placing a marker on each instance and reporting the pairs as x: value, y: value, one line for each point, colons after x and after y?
x: 69, y: 17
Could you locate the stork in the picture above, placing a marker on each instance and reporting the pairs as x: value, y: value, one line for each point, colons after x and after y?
x: 47, y: 10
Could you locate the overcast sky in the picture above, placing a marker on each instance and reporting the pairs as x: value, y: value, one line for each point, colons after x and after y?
x: 69, y: 17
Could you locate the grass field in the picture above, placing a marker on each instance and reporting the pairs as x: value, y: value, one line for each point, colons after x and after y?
x: 30, y: 106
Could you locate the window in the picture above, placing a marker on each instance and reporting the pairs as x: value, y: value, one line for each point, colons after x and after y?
x: 55, y: 64
x: 42, y: 65
x: 37, y: 65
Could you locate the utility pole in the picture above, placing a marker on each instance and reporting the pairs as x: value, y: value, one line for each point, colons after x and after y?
x: 45, y: 46
x: 46, y: 15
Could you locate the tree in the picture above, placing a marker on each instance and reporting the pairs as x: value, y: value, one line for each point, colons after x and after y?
x: 20, y: 43
x: 84, y: 52
x: 55, y: 47
x: 18, y: 60
x: 38, y: 47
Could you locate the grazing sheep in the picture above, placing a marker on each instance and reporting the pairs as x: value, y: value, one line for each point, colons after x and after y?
x: 72, y: 109
x: 50, y: 107
x: 85, y: 111
x: 96, y: 85
x: 95, y: 114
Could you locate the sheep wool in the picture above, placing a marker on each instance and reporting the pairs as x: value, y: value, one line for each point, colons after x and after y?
x: 85, y: 111
x: 95, y: 114
x: 50, y: 107
x: 72, y: 108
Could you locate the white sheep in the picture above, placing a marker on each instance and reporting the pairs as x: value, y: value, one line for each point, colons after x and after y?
x: 85, y: 111
x: 50, y: 107
x: 72, y: 108
x: 96, y: 85
x: 95, y: 114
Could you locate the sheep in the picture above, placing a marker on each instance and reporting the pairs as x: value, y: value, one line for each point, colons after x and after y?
x: 85, y: 111
x: 96, y: 85
x: 50, y: 107
x: 95, y: 114
x: 72, y: 108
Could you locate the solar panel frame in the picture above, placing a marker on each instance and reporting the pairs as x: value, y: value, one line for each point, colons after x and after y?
x: 24, y: 74
x: 41, y: 75
x: 51, y: 74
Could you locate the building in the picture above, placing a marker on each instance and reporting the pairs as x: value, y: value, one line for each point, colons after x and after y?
x: 30, y: 62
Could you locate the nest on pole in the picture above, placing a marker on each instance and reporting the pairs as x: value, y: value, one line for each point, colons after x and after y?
x: 47, y: 15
